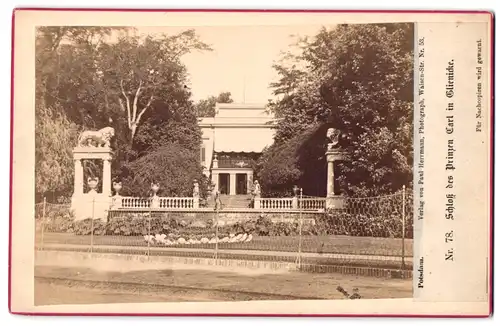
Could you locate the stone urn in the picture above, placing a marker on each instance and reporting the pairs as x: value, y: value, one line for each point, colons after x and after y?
x: 295, y: 191
x: 155, y: 187
x: 117, y: 202
x: 117, y: 186
x: 155, y: 200
x: 92, y: 182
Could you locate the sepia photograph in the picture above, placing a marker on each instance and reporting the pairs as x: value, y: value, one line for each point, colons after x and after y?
x: 255, y: 163
x: 223, y: 163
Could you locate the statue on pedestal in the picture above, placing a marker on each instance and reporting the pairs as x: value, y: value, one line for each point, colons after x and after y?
x: 196, y: 194
x: 93, y: 145
x: 101, y: 138
x: 155, y: 200
x: 333, y: 154
x: 196, y: 189
x: 333, y: 136
x: 256, y: 189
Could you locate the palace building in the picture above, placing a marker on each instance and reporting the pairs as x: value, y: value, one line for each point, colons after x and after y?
x: 232, y: 142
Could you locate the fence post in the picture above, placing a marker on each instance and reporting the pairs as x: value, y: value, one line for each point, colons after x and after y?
x: 92, y: 226
x: 216, y: 252
x: 299, y: 255
x: 404, y: 230
x: 43, y: 221
x: 149, y: 226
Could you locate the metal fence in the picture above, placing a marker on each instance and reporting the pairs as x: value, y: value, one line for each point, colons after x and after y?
x: 372, y: 234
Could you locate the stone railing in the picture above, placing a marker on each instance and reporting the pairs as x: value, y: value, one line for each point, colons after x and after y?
x: 276, y: 203
x: 312, y: 203
x: 160, y: 202
x: 290, y: 203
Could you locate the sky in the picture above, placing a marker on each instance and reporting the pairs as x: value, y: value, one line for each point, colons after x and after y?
x: 241, y: 60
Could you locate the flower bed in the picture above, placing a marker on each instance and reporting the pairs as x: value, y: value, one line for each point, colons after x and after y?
x: 175, y: 239
x: 388, y: 225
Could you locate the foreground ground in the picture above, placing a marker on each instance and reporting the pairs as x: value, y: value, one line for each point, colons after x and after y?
x: 55, y: 285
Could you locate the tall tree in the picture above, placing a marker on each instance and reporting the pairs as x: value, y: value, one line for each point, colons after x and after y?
x: 66, y: 70
x: 98, y: 77
x: 55, y: 135
x: 142, y: 71
x: 358, y: 79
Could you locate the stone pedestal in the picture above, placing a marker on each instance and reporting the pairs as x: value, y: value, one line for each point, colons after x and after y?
x: 295, y: 202
x: 92, y: 204
x: 256, y: 203
x: 155, y: 202
x: 116, y: 202
x: 335, y: 202
x: 332, y: 200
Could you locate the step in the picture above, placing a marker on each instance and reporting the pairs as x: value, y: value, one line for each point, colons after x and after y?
x: 233, y: 201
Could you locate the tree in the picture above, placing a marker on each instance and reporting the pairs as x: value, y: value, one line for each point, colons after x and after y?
x: 278, y: 168
x: 138, y: 72
x: 135, y: 85
x: 66, y: 71
x: 358, y: 79
x: 173, y: 166
x: 206, y: 108
x: 55, y: 135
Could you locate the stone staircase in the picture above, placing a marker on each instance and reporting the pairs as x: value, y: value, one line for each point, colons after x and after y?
x: 233, y: 201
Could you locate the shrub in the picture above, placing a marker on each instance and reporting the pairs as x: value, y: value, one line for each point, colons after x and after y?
x: 331, y: 223
x: 58, y: 218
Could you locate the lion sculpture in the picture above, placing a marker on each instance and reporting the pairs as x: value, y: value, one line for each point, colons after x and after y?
x: 100, y: 137
x: 333, y: 136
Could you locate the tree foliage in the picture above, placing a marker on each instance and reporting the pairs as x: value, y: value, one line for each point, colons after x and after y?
x: 99, y: 77
x: 173, y: 166
x: 206, y: 108
x: 358, y: 79
x: 53, y: 152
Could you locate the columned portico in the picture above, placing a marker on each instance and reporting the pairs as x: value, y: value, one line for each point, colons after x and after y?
x: 233, y: 181
x: 232, y: 142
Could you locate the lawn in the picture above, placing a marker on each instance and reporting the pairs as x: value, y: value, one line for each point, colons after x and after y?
x: 333, y: 244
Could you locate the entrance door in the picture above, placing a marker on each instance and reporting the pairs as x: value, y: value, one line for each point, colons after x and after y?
x: 241, y: 183
x: 224, y: 183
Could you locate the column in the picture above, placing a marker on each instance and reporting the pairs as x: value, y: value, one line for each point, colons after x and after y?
x: 232, y: 183
x: 106, y: 177
x: 249, y: 182
x: 215, y: 179
x: 330, y: 191
x: 77, y: 204
x: 78, y: 184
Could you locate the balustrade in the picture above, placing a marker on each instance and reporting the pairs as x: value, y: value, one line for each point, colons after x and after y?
x: 189, y: 203
x: 164, y: 202
x: 312, y: 203
x: 276, y: 203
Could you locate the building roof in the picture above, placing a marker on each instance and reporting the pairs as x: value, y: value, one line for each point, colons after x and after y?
x: 239, y: 115
x: 236, y: 145
x: 240, y: 127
